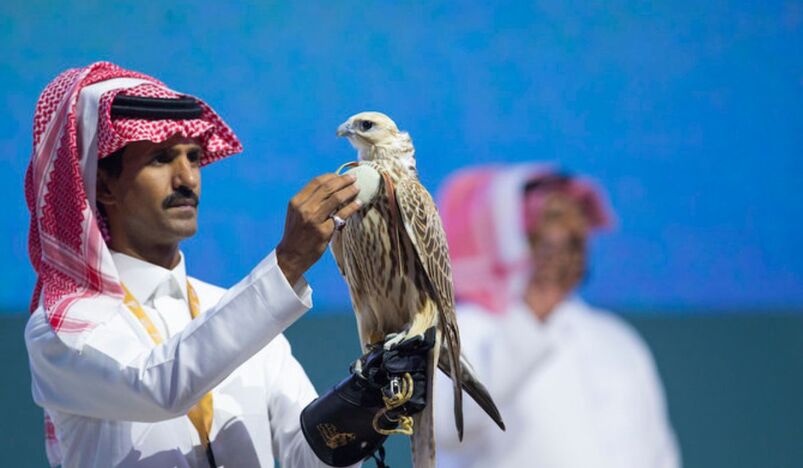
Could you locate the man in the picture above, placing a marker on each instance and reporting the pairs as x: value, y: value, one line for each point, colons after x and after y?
x: 135, y: 363
x: 577, y: 386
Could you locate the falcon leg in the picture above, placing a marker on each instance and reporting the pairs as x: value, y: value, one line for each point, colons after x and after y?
x: 375, y: 338
x: 370, y: 334
x: 424, y: 319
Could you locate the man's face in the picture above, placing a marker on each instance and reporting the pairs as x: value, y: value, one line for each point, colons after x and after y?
x: 558, y: 243
x: 155, y: 198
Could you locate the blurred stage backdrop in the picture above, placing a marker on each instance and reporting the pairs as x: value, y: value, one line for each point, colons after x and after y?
x: 688, y: 113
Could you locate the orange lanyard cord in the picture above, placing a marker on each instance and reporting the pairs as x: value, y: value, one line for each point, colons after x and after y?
x: 201, y: 414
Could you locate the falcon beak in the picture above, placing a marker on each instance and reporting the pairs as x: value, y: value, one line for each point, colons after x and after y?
x: 344, y: 129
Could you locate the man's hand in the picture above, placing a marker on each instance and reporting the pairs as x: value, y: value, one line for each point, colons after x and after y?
x: 309, y: 226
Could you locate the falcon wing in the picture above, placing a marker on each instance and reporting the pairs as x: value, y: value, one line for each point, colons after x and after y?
x: 336, y: 245
x: 423, y: 227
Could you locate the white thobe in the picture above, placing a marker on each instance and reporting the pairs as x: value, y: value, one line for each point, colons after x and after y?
x: 577, y: 391
x: 122, y: 401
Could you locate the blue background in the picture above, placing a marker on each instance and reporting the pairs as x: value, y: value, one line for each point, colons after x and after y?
x: 689, y: 113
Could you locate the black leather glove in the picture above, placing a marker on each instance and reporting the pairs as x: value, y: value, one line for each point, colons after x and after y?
x: 387, y: 385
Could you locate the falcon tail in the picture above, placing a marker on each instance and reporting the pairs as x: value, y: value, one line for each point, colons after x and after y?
x: 475, y: 389
x: 423, y: 439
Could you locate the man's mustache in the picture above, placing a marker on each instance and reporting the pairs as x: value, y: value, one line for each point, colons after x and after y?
x: 180, y: 197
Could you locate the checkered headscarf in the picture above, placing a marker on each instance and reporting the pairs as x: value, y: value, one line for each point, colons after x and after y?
x: 77, y: 284
x: 487, y: 212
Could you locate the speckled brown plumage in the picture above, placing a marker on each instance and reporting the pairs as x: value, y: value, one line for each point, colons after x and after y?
x: 396, y: 264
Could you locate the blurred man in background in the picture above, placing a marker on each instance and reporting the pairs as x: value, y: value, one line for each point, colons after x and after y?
x: 576, y: 385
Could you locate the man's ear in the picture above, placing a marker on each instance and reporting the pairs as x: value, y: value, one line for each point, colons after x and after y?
x: 103, y: 193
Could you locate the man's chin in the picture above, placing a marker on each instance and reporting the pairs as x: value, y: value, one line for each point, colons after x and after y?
x: 183, y: 229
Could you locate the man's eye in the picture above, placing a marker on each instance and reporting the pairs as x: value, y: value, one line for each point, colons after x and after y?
x: 194, y: 156
x: 161, y: 157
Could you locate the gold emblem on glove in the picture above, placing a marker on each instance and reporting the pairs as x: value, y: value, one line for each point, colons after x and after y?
x: 332, y: 438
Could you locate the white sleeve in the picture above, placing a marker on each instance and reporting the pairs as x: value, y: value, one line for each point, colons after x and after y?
x: 116, y: 376
x: 290, y: 392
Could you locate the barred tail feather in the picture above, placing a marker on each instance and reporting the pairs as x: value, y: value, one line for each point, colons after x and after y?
x: 475, y: 389
x: 423, y: 438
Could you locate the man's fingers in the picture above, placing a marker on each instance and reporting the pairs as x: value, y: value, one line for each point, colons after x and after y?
x: 349, y: 209
x: 308, y: 228
x: 336, y: 201
x: 314, y: 185
x: 331, y: 187
x: 343, y: 213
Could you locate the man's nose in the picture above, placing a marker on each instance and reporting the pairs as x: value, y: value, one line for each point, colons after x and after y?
x: 185, y: 172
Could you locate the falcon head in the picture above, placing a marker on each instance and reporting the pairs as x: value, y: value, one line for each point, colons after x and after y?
x: 372, y: 131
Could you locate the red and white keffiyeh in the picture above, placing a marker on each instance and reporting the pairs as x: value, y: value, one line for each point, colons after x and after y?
x: 77, y: 283
x: 486, y: 216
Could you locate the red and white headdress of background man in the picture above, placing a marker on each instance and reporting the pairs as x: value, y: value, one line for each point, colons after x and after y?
x: 77, y: 282
x: 487, y: 213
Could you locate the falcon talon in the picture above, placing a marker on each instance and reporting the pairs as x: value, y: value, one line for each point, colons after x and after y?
x: 356, y: 368
x: 422, y: 337
x: 396, y: 339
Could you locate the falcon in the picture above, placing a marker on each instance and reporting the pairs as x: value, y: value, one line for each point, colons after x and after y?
x: 395, y: 259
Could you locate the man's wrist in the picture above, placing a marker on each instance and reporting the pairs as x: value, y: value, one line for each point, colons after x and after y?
x: 291, y: 270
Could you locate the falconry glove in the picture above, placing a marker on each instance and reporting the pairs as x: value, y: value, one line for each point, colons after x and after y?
x: 387, y: 385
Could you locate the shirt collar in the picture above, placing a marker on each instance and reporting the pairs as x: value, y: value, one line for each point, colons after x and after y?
x: 562, y: 317
x: 567, y: 309
x: 142, y: 278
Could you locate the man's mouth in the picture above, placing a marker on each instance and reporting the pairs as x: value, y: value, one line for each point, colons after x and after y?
x: 182, y: 203
x: 181, y: 199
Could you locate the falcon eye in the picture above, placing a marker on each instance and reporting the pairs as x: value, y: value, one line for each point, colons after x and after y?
x: 366, y: 125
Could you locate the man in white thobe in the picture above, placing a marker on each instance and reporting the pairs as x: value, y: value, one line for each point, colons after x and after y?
x: 135, y: 363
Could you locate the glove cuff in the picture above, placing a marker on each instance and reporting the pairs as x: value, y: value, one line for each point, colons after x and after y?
x: 339, y: 425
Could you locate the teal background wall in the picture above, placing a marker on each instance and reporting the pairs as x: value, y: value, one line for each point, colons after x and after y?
x: 733, y: 382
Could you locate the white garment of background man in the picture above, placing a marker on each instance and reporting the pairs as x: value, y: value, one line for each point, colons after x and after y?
x: 577, y: 386
x: 580, y: 391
